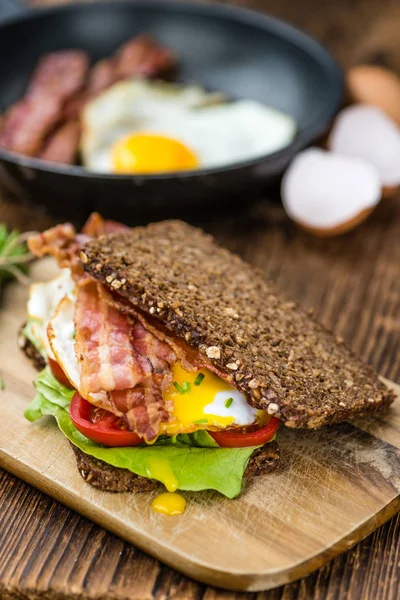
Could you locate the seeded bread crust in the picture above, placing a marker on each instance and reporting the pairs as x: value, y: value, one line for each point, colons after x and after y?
x: 113, y: 479
x: 281, y: 358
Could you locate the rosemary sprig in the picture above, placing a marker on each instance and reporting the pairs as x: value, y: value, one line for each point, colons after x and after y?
x: 14, y: 255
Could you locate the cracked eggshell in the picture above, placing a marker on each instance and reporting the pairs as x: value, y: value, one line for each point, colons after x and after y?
x: 367, y: 132
x: 328, y: 194
x: 371, y: 84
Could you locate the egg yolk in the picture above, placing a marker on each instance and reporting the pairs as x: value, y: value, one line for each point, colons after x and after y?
x: 189, y: 395
x: 170, y: 504
x: 149, y: 153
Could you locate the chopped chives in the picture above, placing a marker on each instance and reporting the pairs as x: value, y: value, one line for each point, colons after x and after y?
x: 228, y: 402
x: 201, y: 422
x: 199, y: 379
x: 178, y: 387
x: 74, y: 334
x: 185, y: 386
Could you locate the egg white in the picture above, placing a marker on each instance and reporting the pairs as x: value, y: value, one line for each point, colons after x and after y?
x: 42, y: 304
x: 219, y: 134
x: 240, y: 409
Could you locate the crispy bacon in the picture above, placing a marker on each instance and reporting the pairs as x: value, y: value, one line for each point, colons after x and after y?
x: 102, y: 75
x: 64, y: 243
x: 107, y: 348
x: 103, y: 345
x: 140, y: 56
x: 159, y: 353
x: 59, y: 74
x: 52, y: 241
x: 62, y: 145
x: 143, y: 56
x: 96, y: 226
x: 190, y: 358
x: 28, y: 122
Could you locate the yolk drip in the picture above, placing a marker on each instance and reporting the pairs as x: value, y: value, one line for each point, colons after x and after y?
x: 189, y: 412
x: 169, y: 504
x: 149, y: 153
x: 159, y: 468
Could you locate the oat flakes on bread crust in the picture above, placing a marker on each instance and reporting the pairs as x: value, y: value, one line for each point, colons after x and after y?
x: 283, y: 360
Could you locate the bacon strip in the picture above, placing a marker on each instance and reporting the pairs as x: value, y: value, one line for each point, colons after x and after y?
x: 59, y: 74
x: 159, y: 354
x: 62, y: 144
x: 64, y: 243
x: 140, y: 56
x: 28, y: 122
x: 103, y: 345
x: 112, y: 352
x: 96, y: 226
x: 143, y: 56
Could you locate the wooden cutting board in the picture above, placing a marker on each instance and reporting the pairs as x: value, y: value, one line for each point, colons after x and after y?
x: 335, y: 487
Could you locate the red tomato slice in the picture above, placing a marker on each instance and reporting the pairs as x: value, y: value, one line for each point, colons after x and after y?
x: 240, y: 439
x: 59, y: 373
x: 100, y: 425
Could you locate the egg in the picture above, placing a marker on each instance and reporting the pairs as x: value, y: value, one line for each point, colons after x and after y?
x: 43, y: 301
x: 328, y: 194
x: 144, y: 127
x: 366, y: 132
x: 371, y: 84
x: 202, y: 400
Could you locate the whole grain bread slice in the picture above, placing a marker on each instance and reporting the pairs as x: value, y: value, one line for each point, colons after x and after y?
x: 114, y: 479
x: 283, y: 360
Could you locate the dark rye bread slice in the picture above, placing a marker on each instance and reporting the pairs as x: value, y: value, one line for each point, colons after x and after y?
x: 113, y: 479
x: 105, y: 477
x: 283, y: 360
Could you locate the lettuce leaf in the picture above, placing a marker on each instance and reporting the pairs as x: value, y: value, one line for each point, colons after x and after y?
x: 196, y: 460
x: 28, y: 332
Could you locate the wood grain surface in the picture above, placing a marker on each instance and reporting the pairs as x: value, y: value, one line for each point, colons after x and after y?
x: 334, y: 486
x: 354, y: 284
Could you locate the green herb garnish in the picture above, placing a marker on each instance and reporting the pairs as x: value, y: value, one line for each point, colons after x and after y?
x: 14, y: 255
x: 2, y: 386
x: 74, y: 334
x: 182, y: 389
x: 185, y: 386
x: 178, y: 387
x: 201, y: 422
x: 199, y: 379
x: 228, y: 402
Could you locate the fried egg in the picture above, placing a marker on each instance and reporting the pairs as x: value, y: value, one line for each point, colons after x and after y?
x: 202, y: 400
x: 43, y: 301
x: 195, y: 400
x: 143, y: 127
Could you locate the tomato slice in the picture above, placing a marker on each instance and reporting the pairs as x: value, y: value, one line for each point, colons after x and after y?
x: 100, y: 425
x: 59, y: 373
x: 240, y: 439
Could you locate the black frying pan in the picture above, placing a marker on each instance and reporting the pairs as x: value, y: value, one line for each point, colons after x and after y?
x: 242, y: 53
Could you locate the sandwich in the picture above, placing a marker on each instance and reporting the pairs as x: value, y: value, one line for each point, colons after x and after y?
x: 166, y: 359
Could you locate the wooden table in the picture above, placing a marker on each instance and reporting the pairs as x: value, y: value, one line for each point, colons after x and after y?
x: 353, y: 283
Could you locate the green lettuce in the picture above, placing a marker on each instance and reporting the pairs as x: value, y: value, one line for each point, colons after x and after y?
x: 27, y: 331
x: 196, y: 460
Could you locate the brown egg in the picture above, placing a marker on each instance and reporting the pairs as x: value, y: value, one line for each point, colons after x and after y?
x: 369, y: 84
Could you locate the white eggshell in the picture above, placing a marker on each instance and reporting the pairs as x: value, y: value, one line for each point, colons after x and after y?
x: 325, y: 190
x: 367, y: 132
